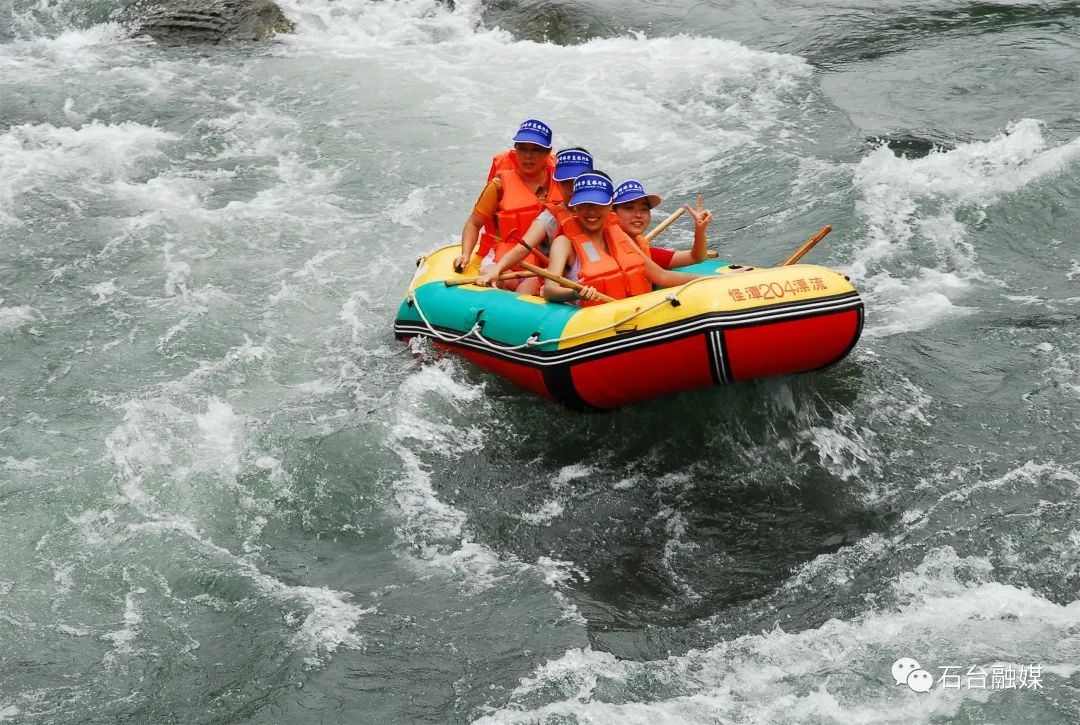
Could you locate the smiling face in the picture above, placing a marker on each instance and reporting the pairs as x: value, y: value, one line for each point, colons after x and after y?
x: 592, y: 217
x: 531, y: 157
x: 634, y: 216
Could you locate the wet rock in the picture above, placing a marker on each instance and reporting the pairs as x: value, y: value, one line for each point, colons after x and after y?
x: 205, y: 21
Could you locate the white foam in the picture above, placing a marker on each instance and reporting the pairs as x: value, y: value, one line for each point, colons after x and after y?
x: 828, y: 672
x: 977, y: 173
x: 735, y: 97
x: 573, y: 472
x: 329, y: 620
x: 1065, y: 372
x: 428, y: 521
x: 328, y: 624
x: 176, y: 273
x: 839, y: 567
x: 479, y: 567
x: 27, y: 465
x: 256, y: 130
x: 910, y: 207
x: 430, y: 418
x: 72, y: 631
x: 903, y: 402
x: 914, y: 303
x: 137, y: 444
x: 35, y: 156
x: 12, y: 318
x: 219, y: 449
x: 361, y: 26
x: 545, y: 514
x: 160, y: 434
x: 269, y: 463
x: 123, y: 638
x: 408, y: 212
x: 302, y: 193
x: 675, y: 547
x: 67, y: 51
x: 1030, y: 471
x: 355, y: 313
x: 165, y: 195
x: 62, y: 577
x: 437, y: 383
x: 843, y: 448
x: 104, y: 290
x: 93, y: 525
x: 558, y: 574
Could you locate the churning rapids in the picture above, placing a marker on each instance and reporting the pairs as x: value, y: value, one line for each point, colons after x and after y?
x: 227, y: 494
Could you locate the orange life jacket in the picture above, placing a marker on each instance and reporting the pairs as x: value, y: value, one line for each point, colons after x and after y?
x: 568, y: 223
x: 642, y: 242
x: 518, y: 209
x: 619, y: 272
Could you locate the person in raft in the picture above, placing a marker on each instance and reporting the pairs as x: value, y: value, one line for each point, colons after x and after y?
x: 519, y: 185
x: 600, y: 255
x: 633, y: 207
x: 569, y: 164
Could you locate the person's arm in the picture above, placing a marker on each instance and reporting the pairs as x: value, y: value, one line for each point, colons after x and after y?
x: 469, y: 234
x: 536, y: 233
x: 562, y: 256
x: 700, y: 250
x: 482, y: 213
x: 658, y: 275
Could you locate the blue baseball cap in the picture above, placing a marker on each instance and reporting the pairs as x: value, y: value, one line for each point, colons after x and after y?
x: 571, y: 164
x: 592, y: 189
x: 533, y: 131
x: 632, y: 190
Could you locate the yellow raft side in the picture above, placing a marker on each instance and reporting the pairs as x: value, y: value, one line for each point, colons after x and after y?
x: 731, y: 292
x: 439, y: 266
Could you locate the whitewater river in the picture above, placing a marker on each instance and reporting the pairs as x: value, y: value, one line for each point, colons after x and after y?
x: 228, y: 495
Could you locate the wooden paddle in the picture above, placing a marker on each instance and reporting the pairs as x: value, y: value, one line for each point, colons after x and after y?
x: 472, y: 280
x: 562, y: 280
x: 808, y: 246
x: 665, y: 224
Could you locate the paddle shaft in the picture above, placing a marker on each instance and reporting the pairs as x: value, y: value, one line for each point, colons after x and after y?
x: 562, y: 280
x: 808, y: 246
x: 665, y: 224
x: 502, y: 278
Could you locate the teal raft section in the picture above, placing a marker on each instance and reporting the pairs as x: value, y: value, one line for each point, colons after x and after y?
x: 507, y: 318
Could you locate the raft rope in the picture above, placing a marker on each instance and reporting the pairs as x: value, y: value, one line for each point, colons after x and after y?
x: 534, y: 340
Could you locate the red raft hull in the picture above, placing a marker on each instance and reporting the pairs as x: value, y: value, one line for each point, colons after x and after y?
x: 725, y: 329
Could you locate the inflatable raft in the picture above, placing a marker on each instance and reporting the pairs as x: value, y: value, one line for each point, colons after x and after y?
x: 733, y: 326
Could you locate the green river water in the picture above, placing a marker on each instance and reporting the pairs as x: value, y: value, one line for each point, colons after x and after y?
x: 228, y: 495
